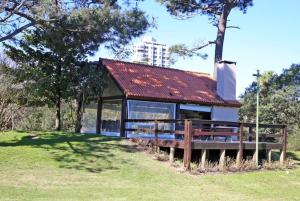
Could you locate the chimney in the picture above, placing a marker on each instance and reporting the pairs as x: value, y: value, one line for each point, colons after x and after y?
x: 225, y: 76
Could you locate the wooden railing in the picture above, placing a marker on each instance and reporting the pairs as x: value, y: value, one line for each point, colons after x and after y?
x: 193, y: 131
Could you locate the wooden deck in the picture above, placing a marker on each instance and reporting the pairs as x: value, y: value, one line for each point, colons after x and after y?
x: 210, y: 145
x: 210, y: 135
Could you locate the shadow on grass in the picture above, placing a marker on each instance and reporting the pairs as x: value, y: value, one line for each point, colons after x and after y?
x: 294, y: 157
x: 291, y: 155
x: 92, y: 153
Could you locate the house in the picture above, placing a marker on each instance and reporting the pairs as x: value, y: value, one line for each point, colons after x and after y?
x: 138, y: 91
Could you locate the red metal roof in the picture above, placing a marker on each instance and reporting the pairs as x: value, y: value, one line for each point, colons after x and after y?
x: 146, y: 82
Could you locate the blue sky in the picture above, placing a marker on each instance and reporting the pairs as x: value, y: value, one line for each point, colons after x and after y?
x: 269, y: 38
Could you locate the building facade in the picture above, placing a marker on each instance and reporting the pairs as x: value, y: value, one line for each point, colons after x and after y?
x: 150, y: 52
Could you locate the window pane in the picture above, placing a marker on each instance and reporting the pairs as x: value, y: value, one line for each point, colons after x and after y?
x: 111, y: 118
x: 89, y: 119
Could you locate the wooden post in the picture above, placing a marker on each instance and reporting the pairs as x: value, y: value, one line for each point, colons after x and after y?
x: 123, y: 118
x: 239, y: 157
x: 269, y: 153
x: 203, y: 158
x: 283, y: 151
x: 222, y: 158
x: 156, y: 135
x: 254, y: 155
x: 99, y: 115
x: 172, y: 152
x: 187, y: 144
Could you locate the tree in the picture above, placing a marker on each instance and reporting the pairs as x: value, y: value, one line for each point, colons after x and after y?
x: 217, y: 11
x: 50, y: 60
x: 279, y: 100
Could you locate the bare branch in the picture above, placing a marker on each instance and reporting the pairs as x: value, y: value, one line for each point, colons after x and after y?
x: 202, y: 46
x: 233, y: 27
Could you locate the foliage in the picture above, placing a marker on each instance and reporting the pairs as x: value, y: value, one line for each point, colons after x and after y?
x: 279, y: 100
x: 42, y: 118
x: 51, y: 61
x: 217, y: 11
x: 17, y: 16
x: 9, y: 94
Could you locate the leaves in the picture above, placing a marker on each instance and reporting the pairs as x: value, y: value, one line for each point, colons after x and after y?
x: 279, y: 98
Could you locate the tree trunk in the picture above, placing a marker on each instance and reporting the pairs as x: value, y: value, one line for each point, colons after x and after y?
x: 57, y: 117
x: 221, y: 31
x: 79, y: 113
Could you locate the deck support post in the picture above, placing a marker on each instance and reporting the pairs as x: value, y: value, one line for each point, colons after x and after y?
x: 282, y: 157
x: 187, y: 144
x: 254, y: 155
x: 222, y: 158
x: 269, y: 154
x: 283, y: 150
x: 172, y: 153
x: 203, y: 158
x: 239, y: 157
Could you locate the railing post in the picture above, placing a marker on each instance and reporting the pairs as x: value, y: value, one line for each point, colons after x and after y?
x: 187, y: 144
x: 240, y: 151
x: 284, y: 147
x: 156, y: 135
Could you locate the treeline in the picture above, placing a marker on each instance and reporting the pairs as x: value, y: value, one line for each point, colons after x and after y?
x: 279, y: 101
x: 46, y: 74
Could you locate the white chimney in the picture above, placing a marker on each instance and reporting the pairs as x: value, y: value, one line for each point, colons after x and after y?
x: 225, y: 76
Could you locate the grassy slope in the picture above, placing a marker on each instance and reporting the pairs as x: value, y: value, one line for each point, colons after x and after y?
x: 61, y: 166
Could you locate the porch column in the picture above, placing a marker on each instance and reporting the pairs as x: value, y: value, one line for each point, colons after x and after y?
x: 99, y: 115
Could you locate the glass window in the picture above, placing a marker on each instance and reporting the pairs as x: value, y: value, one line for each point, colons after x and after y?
x: 89, y: 119
x: 111, y: 118
x: 150, y: 110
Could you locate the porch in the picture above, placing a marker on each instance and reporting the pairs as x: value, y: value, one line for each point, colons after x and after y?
x: 206, y: 135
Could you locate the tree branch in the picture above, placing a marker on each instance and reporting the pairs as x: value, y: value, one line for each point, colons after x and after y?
x: 12, y: 10
x: 26, y: 16
x: 202, y: 46
x: 17, y: 31
x: 233, y: 27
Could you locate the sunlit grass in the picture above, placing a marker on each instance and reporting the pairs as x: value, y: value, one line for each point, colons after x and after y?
x: 66, y: 166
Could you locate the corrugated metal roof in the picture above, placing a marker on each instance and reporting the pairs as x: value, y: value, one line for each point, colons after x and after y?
x: 165, y: 84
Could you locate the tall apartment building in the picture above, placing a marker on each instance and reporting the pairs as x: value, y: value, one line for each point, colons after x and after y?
x: 150, y: 52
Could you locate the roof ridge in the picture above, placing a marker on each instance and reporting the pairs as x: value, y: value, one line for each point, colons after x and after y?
x: 160, y: 67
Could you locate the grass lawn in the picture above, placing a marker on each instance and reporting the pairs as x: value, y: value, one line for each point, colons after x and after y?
x: 64, y: 166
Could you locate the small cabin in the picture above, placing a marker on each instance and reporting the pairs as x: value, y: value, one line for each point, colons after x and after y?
x: 138, y: 91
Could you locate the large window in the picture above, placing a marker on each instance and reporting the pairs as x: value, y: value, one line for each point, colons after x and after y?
x: 111, y: 117
x: 150, y: 110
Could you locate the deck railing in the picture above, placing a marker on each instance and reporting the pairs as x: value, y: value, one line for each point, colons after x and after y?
x: 190, y: 132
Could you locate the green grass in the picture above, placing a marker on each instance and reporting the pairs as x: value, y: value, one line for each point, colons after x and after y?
x: 65, y: 166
